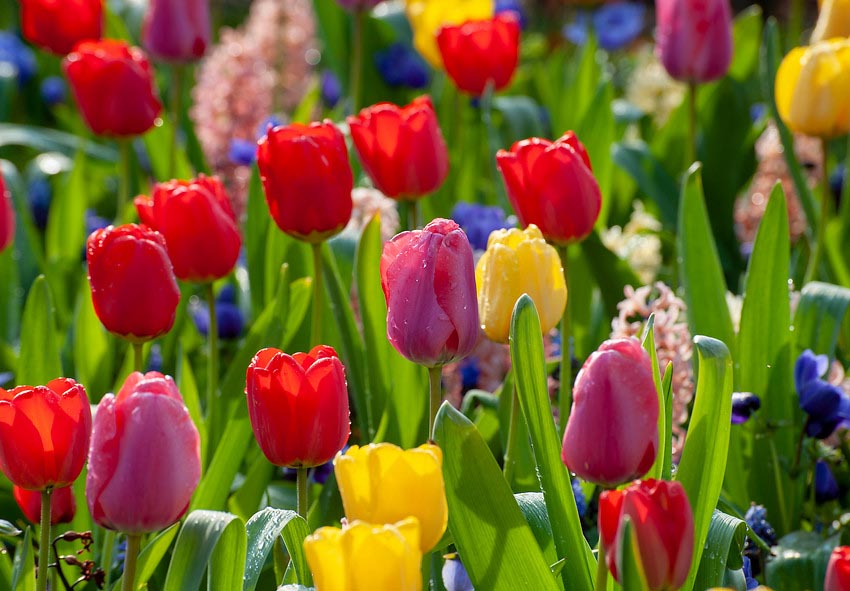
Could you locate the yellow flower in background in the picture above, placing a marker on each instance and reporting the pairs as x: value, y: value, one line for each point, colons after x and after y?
x: 366, y: 557
x: 812, y: 89
x: 518, y: 262
x: 427, y: 16
x: 382, y: 483
x: 833, y: 20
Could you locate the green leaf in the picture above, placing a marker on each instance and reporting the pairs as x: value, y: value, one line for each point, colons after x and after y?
x: 42, y: 139
x: 214, y: 487
x: 23, y: 567
x: 8, y: 529
x: 633, y: 577
x: 799, y: 562
x: 247, y: 498
x: 491, y: 535
x: 663, y: 442
x: 66, y: 230
x: 820, y: 312
x: 598, y: 131
x: 264, y: 528
x: 723, y: 547
x: 151, y: 556
x: 529, y: 366
x: 39, y: 360
x: 257, y: 227
x: 640, y: 163
x: 533, y: 507
x: 93, y: 352
x: 746, y: 36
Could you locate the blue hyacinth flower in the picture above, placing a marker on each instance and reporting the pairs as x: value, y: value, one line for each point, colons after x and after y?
x: 400, y: 65
x: 455, y: 577
x: 228, y: 315
x: 331, y: 89
x: 581, y: 501
x: 744, y: 404
x: 826, y: 405
x: 53, y: 90
x: 17, y: 56
x: 618, y: 24
x: 478, y: 221
x: 514, y: 6
x: 578, y: 31
x: 826, y: 487
x: 756, y: 518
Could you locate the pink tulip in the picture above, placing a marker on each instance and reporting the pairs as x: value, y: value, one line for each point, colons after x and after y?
x: 144, y: 461
x: 694, y: 38
x: 177, y: 30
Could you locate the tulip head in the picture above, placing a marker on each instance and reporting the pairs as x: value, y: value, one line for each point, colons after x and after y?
x: 63, y: 505
x: 298, y: 405
x: 381, y: 483
x: 428, y: 278
x: 833, y: 20
x: 177, y: 31
x: 44, y: 433
x: 428, y: 16
x: 144, y: 462
x: 7, y: 216
x: 612, y: 432
x: 838, y: 570
x: 518, y: 262
x: 694, y: 38
x: 58, y: 26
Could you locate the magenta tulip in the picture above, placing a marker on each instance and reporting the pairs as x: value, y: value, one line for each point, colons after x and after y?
x: 612, y: 432
x: 144, y: 461
x: 177, y: 30
x: 694, y: 38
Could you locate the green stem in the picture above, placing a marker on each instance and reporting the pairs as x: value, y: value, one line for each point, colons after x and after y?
x: 318, y: 289
x: 510, y: 452
x: 601, y: 569
x: 357, y: 60
x: 139, y: 357
x: 176, y: 114
x: 124, y: 180
x: 44, y: 541
x: 132, y: 554
x: 692, y: 123
x: 845, y: 198
x: 565, y: 376
x: 435, y: 376
x: 414, y: 214
x: 106, y: 557
x: 814, y: 262
x: 212, y: 367
x: 301, y: 482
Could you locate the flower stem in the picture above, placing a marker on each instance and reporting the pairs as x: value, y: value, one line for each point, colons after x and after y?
x: 601, y: 569
x: 357, y: 59
x: 814, y: 262
x: 106, y: 557
x: 44, y: 541
x: 301, y: 483
x: 565, y: 375
x: 435, y: 375
x: 212, y: 367
x: 132, y: 554
x: 176, y: 113
x: 124, y: 180
x: 692, y: 123
x: 318, y: 288
x: 139, y: 357
x: 510, y: 452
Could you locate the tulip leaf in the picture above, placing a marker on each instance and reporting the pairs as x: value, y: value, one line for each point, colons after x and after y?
x: 817, y: 323
x: 533, y: 507
x: 746, y: 35
x: 257, y: 226
x: 247, y: 498
x: 151, y: 556
x: 39, y: 359
x: 667, y: 390
x: 6, y: 571
x: 723, y: 547
x: 636, y: 158
x: 497, y: 546
x: 215, y: 484
x: 799, y: 561
x: 663, y: 442
x: 93, y: 347
x: 703, y: 463
x: 264, y: 529
x: 43, y: 139
x: 66, y: 230
x: 630, y: 565
x: 209, y: 541
x: 23, y: 567
x: 529, y: 367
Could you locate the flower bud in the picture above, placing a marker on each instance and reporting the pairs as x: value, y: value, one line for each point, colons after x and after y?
x: 63, y: 505
x: 694, y: 38
x: 177, y: 31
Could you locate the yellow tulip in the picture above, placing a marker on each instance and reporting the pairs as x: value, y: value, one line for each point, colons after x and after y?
x: 833, y: 20
x: 365, y: 557
x: 812, y: 89
x: 382, y: 483
x: 518, y: 262
x: 427, y: 16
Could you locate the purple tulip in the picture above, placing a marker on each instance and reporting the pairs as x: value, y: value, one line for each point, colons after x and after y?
x: 694, y: 38
x: 177, y: 30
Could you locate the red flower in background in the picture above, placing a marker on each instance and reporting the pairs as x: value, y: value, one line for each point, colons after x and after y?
x: 63, y: 505
x: 7, y: 216
x: 838, y: 570
x: 58, y: 25
x: 177, y: 30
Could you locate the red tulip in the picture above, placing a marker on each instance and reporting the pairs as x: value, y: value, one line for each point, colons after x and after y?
x: 402, y: 149
x: 132, y: 282
x: 145, y: 457
x: 177, y: 31
x: 428, y: 277
x: 44, y: 433
x: 198, y: 224
x: 612, y: 432
x: 63, y: 505
x: 694, y: 38
x: 307, y: 179
x: 838, y: 570
x: 58, y: 25
x: 7, y: 217
x: 663, y: 523
x: 551, y: 185
x: 477, y: 52
x: 114, y: 87
x: 298, y: 405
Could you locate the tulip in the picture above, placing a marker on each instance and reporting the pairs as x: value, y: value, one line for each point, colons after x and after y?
x: 114, y: 87
x: 551, y: 185
x: 428, y: 16
x: 694, y: 38
x: 833, y: 20
x: 612, y: 432
x: 177, y: 31
x: 144, y: 462
x: 838, y: 570
x: 663, y: 523
x: 476, y: 53
x: 402, y: 149
x: 365, y: 557
x: 7, y: 217
x: 63, y: 506
x: 428, y: 279
x: 518, y: 262
x: 198, y: 224
x: 44, y: 433
x: 812, y: 86
x: 354, y: 5
x: 382, y: 483
x: 307, y: 179
x: 58, y: 25
x: 298, y: 405
x: 133, y: 287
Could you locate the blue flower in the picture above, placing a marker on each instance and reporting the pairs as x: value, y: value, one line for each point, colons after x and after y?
x: 242, y: 152
x: 155, y: 358
x: 514, y: 6
x: 53, y: 90
x: 455, y: 577
x: 578, y: 31
x: 39, y: 196
x: 581, y: 501
x: 748, y: 574
x: 228, y: 315
x: 826, y: 487
x: 400, y: 65
x: 826, y: 405
x: 756, y: 518
x: 837, y: 179
x: 757, y: 111
x: 18, y: 56
x: 478, y: 221
x: 618, y: 24
x: 95, y: 222
x: 469, y: 373
x: 331, y: 89
x: 744, y: 404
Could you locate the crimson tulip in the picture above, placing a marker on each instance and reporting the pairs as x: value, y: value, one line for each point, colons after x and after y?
x: 662, y: 521
x: 198, y: 224
x: 177, y: 31
x: 145, y: 456
x: 838, y: 570
x: 114, y: 87
x: 428, y: 278
x: 7, y: 217
x: 402, y: 149
x: 477, y: 52
x: 298, y: 405
x: 612, y: 432
x: 551, y: 185
x: 44, y: 433
x: 63, y: 505
x: 307, y: 179
x: 58, y: 25
x: 133, y: 287
x: 694, y: 38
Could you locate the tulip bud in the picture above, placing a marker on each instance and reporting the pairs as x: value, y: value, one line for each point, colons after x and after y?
x: 365, y: 556
x: 402, y: 149
x: 476, y: 53
x: 114, y: 87
x: 144, y: 462
x: 298, y: 405
x: 612, y: 432
x: 663, y: 523
x: 427, y: 17
x: 551, y: 185
x: 133, y: 287
x: 58, y: 26
x: 44, y: 433
x: 428, y: 279
x: 307, y: 179
x: 7, y: 217
x: 63, y: 505
x: 382, y: 483
x: 838, y: 570
x: 198, y: 224
x: 833, y: 20
x: 177, y: 31
x: 518, y: 262
x: 694, y: 38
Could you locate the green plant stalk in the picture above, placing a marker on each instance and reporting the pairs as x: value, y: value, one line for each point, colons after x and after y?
x: 820, y: 238
x: 565, y: 375
x: 212, y: 367
x: 134, y: 542
x: 44, y: 541
x: 357, y: 60
x: 601, y: 569
x: 139, y: 357
x: 435, y: 375
x: 692, y: 123
x: 845, y: 198
x: 124, y: 180
x: 510, y: 451
x: 106, y: 557
x: 176, y: 114
x: 301, y: 482
x: 318, y: 288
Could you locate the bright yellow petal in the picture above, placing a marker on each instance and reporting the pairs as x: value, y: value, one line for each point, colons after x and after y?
x: 383, y: 557
x: 833, y: 20
x: 327, y: 561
